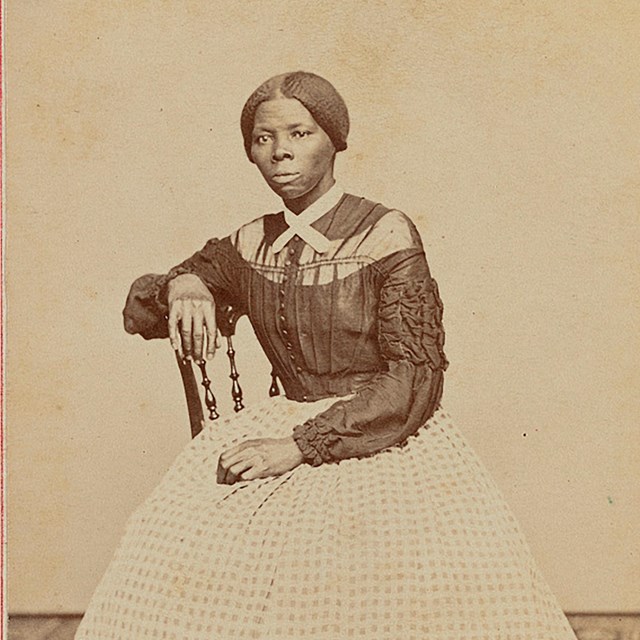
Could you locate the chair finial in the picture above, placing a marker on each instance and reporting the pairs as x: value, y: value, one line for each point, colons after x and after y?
x: 274, y: 389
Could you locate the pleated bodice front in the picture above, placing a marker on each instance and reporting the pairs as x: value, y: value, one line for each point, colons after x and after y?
x: 361, y: 319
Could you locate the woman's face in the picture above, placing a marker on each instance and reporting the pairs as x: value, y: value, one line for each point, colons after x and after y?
x: 293, y: 153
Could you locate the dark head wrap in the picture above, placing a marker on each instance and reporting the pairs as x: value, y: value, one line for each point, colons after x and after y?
x: 318, y: 96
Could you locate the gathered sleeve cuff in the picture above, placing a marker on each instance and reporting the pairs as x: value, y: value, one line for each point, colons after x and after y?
x: 406, y: 393
x: 146, y: 308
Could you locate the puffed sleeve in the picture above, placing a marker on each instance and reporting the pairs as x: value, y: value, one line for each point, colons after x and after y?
x: 145, y: 311
x: 406, y: 393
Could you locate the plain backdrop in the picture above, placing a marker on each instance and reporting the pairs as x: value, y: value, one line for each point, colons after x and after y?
x: 507, y: 130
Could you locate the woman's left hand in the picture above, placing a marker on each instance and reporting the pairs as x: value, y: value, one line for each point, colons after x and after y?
x: 258, y: 459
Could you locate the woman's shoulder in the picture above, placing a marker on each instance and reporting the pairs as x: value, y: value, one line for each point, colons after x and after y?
x: 250, y: 237
x: 397, y: 225
x: 386, y: 230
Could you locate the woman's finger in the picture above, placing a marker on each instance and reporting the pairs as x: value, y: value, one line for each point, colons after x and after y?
x: 229, y: 453
x: 197, y: 334
x: 221, y: 473
x: 228, y: 461
x: 244, y: 465
x: 253, y: 473
x: 224, y: 476
x: 212, y: 330
x: 174, y: 336
x: 228, y: 474
x: 185, y: 331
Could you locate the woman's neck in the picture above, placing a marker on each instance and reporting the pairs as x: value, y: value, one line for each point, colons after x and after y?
x: 298, y: 205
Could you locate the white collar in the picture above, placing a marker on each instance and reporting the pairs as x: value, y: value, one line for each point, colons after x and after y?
x: 300, y: 224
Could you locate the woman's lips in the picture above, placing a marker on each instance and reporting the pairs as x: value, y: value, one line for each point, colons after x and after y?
x: 284, y: 178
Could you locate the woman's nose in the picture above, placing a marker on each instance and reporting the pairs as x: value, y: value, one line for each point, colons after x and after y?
x: 281, y: 152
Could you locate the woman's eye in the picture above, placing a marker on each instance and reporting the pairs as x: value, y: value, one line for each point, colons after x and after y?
x: 263, y: 139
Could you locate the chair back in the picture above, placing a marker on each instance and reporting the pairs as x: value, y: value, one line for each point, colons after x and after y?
x: 226, y: 319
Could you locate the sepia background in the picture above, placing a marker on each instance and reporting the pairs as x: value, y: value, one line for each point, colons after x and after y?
x: 508, y: 130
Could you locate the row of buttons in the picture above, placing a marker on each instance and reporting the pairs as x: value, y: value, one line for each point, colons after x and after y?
x: 283, y: 320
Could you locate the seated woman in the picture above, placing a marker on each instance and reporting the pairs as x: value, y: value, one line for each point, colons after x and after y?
x: 350, y: 507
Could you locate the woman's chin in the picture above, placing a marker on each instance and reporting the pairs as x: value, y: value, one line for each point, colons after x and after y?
x: 287, y: 191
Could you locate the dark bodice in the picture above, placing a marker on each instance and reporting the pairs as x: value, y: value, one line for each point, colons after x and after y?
x: 363, y: 318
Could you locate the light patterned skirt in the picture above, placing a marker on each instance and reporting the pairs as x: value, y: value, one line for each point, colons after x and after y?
x: 413, y: 543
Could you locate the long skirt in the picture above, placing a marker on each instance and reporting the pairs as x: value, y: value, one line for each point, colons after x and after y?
x: 412, y: 543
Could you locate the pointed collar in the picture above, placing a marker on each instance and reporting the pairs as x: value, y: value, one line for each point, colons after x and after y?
x: 300, y: 224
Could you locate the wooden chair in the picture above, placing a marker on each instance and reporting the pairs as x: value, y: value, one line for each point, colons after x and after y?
x: 226, y: 319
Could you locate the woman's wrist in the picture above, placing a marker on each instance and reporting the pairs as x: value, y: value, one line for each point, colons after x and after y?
x: 187, y: 285
x: 296, y: 455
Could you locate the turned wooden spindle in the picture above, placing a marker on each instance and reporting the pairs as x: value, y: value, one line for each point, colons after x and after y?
x: 209, y: 398
x: 236, y: 389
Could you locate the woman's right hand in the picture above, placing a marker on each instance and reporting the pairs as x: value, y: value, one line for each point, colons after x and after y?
x: 192, y: 319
